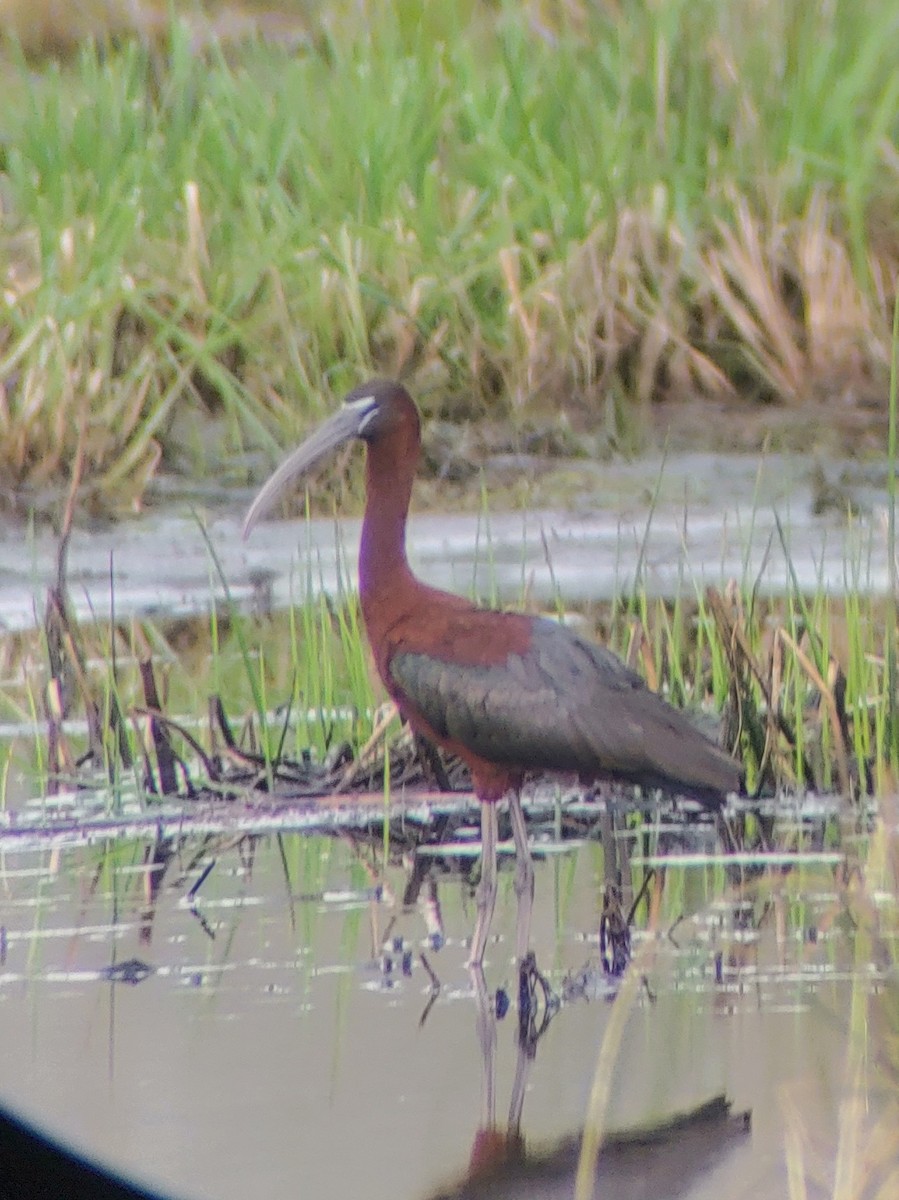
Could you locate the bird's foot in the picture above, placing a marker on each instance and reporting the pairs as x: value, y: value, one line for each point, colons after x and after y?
x: 533, y: 1017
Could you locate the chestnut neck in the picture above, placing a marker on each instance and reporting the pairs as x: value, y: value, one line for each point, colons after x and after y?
x: 385, y: 579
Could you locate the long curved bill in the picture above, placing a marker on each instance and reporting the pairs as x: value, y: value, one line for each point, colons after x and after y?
x: 348, y: 422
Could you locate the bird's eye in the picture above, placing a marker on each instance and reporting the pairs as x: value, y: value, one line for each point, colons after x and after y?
x: 367, y: 407
x: 367, y: 420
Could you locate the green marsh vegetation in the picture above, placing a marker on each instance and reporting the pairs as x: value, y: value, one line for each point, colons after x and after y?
x: 796, y: 686
x: 536, y: 213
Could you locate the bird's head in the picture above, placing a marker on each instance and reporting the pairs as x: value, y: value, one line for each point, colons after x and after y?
x: 383, y: 407
x: 373, y: 411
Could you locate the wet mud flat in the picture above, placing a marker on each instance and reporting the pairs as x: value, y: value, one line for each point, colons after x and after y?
x: 659, y: 525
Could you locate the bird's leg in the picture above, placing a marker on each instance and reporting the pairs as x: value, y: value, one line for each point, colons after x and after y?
x: 524, y: 875
x: 486, y: 1025
x: 485, y: 898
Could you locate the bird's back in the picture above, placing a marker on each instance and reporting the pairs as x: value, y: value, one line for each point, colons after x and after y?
x: 558, y: 703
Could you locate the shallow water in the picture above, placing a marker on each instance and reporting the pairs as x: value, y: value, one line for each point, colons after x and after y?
x: 272, y: 1052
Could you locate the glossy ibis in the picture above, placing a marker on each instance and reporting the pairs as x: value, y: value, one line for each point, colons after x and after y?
x: 506, y: 692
